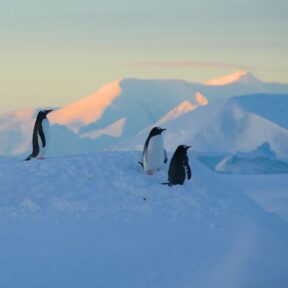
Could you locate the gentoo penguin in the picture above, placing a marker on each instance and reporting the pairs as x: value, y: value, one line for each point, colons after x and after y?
x: 154, y: 155
x: 40, y: 135
x: 179, y: 169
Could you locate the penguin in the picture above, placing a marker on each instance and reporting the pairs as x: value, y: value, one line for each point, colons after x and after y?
x: 154, y: 155
x: 179, y: 169
x: 40, y: 135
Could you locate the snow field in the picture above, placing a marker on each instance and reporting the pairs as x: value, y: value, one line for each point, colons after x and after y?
x: 83, y: 221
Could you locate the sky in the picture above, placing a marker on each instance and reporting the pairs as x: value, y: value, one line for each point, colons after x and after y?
x: 57, y: 51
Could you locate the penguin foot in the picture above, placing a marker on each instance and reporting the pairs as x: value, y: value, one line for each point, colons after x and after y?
x: 149, y: 172
x: 167, y: 183
x: 28, y: 158
x: 41, y: 158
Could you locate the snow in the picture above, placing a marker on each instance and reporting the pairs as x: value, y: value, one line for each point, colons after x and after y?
x: 96, y: 220
x: 272, y: 107
x: 116, y: 129
x: 263, y: 160
x: 270, y: 191
x: 14, y: 127
x: 229, y: 79
x: 258, y: 165
x: 201, y: 99
x: 83, y: 218
x: 88, y: 109
x: 176, y: 112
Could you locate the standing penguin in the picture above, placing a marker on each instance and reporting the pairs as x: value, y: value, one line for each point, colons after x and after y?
x: 154, y: 155
x: 40, y: 135
x: 179, y: 169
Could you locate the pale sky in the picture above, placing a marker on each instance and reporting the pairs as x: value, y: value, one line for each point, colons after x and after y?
x: 57, y: 51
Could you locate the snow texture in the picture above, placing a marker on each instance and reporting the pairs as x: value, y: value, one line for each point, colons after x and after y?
x: 97, y: 220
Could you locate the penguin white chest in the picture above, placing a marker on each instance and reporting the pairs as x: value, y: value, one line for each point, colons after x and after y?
x: 154, y: 155
x: 46, y: 132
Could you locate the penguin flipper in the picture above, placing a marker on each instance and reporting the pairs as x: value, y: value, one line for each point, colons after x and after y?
x: 165, y: 156
x: 41, y: 134
x: 141, y: 163
x: 187, y: 168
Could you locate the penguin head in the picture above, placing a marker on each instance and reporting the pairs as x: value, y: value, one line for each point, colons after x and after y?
x: 182, y: 149
x: 156, y: 131
x: 47, y: 111
x: 43, y: 113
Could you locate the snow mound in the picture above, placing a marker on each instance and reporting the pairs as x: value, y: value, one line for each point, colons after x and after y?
x: 76, y: 221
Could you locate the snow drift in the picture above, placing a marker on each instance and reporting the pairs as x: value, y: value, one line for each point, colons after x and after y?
x: 98, y: 220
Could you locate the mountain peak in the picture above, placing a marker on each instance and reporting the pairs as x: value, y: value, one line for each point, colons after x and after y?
x: 179, y: 110
x: 236, y: 76
x: 88, y: 109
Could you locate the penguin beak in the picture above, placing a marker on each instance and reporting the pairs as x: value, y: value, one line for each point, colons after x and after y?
x: 163, y: 129
x: 188, y: 147
x: 48, y: 111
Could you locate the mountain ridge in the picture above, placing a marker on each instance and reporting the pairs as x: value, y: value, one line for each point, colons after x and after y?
x: 121, y: 109
x: 227, y: 126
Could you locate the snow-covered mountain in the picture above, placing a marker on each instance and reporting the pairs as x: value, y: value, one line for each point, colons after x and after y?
x: 119, y: 110
x: 237, y: 124
x: 135, y: 103
x: 164, y: 95
x: 239, y: 83
x: 234, y: 78
x: 181, y: 109
x: 89, y: 109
